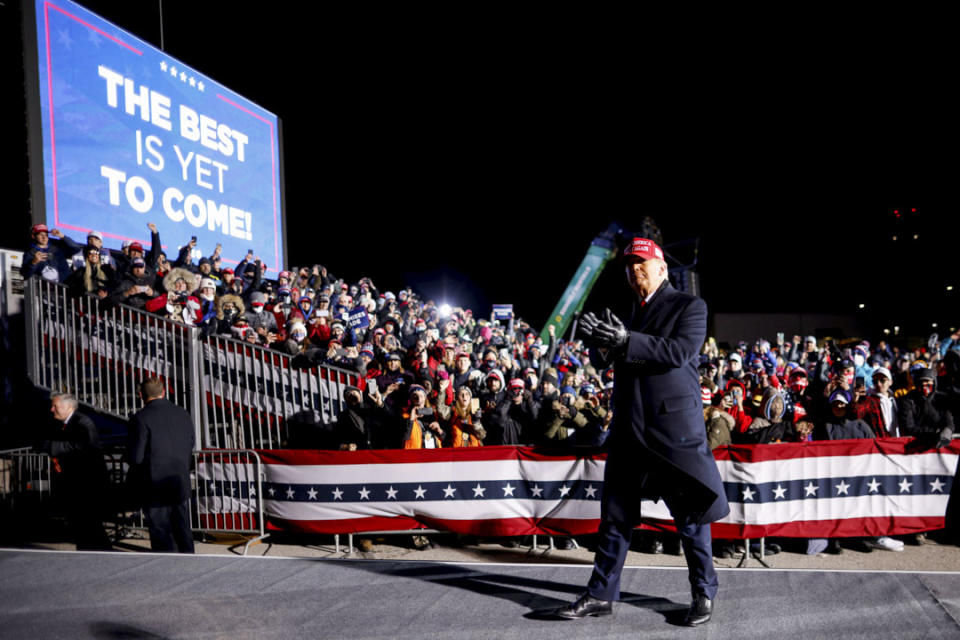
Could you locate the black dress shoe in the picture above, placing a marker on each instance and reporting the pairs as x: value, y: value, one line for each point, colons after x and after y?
x: 700, y: 611
x: 586, y: 605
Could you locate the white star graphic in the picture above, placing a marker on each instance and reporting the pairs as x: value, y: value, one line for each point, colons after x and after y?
x: 193, y: 81
x: 64, y: 38
x: 312, y: 494
x: 391, y: 493
x: 200, y: 85
x: 748, y: 493
x: 183, y: 76
x: 811, y: 489
x: 564, y: 490
x: 936, y: 485
x: 233, y: 490
x: 478, y: 491
x: 94, y: 38
x: 272, y: 491
x: 508, y: 490
x: 163, y: 65
x: 448, y: 491
x: 364, y: 493
x: 537, y: 491
x: 842, y: 488
x: 420, y: 491
x: 337, y: 494
x: 173, y: 71
x: 874, y: 486
x: 591, y: 491
x: 252, y: 491
x: 905, y: 486
x: 213, y: 485
x: 290, y: 493
x: 779, y: 493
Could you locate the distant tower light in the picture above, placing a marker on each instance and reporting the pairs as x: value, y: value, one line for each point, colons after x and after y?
x: 862, y: 305
x: 934, y: 325
x: 913, y: 210
x: 949, y: 287
x: 916, y: 236
x: 886, y: 332
x: 894, y: 238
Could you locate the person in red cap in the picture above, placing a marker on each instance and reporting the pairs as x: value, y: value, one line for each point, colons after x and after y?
x: 44, y: 258
x: 134, y: 250
x: 657, y: 442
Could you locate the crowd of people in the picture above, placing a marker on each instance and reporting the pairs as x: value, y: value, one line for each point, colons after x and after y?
x: 437, y: 377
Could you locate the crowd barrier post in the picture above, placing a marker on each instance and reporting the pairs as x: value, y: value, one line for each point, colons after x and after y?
x: 227, y: 495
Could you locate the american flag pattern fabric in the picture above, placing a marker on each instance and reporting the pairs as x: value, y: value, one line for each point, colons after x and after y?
x: 819, y: 489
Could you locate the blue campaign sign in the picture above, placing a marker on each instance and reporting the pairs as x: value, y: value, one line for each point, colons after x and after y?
x: 131, y: 135
x: 358, y: 319
x: 502, y: 311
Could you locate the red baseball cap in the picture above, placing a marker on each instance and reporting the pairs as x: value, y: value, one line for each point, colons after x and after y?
x: 39, y: 228
x: 644, y: 249
x: 136, y: 246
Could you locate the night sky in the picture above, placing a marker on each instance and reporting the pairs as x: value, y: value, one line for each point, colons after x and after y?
x: 477, y: 160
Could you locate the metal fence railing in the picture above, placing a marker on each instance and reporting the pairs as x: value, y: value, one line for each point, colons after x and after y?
x: 24, y: 473
x: 251, y: 392
x: 99, y: 353
x: 240, y: 395
x: 228, y: 494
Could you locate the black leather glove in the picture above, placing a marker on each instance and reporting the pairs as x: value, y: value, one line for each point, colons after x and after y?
x: 610, y: 332
x: 586, y: 326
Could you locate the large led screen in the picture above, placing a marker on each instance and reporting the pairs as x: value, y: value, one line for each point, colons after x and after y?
x: 130, y: 135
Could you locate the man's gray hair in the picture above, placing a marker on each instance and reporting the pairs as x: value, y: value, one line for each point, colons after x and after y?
x: 69, y: 398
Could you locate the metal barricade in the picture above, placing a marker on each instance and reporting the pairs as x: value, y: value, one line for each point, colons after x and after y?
x: 128, y: 517
x: 227, y: 497
x: 99, y: 353
x: 240, y: 395
x: 23, y: 473
x: 251, y: 391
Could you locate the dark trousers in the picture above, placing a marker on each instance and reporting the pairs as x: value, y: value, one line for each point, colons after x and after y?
x: 615, y: 534
x: 170, y: 528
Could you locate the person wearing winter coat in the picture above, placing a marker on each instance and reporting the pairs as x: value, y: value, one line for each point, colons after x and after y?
x: 924, y: 412
x: 177, y: 303
x: 137, y: 287
x: 229, y: 307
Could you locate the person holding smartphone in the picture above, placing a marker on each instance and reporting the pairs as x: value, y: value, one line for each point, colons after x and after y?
x: 422, y: 429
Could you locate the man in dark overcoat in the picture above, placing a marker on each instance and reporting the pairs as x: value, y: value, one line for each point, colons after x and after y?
x: 80, y: 474
x: 160, y: 452
x: 658, y: 446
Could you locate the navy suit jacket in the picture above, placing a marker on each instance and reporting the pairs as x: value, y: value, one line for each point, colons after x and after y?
x: 658, y: 443
x: 161, y: 451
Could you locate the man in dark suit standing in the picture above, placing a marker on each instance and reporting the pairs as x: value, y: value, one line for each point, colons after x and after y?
x: 80, y: 474
x: 658, y: 446
x: 160, y: 452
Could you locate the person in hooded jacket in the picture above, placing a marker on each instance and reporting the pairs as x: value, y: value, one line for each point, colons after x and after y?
x: 363, y: 422
x: 796, y: 397
x: 925, y: 412
x: 177, y: 303
x: 768, y: 426
x: 229, y: 308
